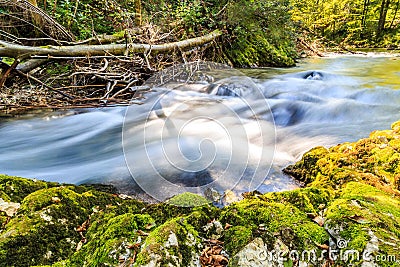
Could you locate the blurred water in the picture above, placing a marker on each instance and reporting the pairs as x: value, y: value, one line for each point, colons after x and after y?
x: 323, y: 101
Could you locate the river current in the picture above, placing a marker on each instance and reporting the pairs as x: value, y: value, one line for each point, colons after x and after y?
x: 231, y: 133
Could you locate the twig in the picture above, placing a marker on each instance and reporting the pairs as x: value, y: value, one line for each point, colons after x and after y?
x: 222, y: 9
x: 8, y: 71
x: 27, y: 76
x: 124, y: 89
x: 105, y: 65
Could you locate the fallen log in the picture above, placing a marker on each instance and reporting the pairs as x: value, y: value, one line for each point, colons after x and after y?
x: 20, y: 51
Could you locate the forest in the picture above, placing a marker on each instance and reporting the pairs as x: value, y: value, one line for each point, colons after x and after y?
x: 371, y: 24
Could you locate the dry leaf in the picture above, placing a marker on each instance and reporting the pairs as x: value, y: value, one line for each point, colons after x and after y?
x: 319, y: 220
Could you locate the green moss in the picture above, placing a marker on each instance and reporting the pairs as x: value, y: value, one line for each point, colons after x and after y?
x: 4, y: 196
x: 361, y: 210
x: 8, y: 60
x: 44, y: 230
x: 163, y: 212
x: 57, y: 68
x: 187, y: 200
x: 110, y: 238
x: 200, y: 216
x: 239, y: 237
x: 308, y: 200
x: 374, y: 160
x: 175, y: 242
x: 255, y: 49
x: 306, y: 170
x: 16, y: 188
x: 269, y: 219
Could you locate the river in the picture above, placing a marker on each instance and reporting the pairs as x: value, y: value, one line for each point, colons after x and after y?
x: 231, y: 132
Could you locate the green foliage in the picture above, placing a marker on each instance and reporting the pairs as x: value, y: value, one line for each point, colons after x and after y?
x: 351, y: 22
x: 263, y: 32
x: 258, y: 33
x: 85, y: 18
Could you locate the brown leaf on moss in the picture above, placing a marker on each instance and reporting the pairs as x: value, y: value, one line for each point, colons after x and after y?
x: 358, y: 219
x: 319, y: 220
x: 84, y: 226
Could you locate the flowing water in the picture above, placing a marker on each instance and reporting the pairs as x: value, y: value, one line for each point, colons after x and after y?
x: 235, y: 133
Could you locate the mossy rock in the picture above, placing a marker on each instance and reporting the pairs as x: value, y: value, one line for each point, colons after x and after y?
x: 238, y: 236
x: 174, y: 243
x: 163, y: 212
x: 44, y: 229
x: 306, y: 170
x: 187, y: 199
x: 374, y: 160
x: 16, y: 188
x: 367, y: 220
x: 111, y: 239
x: 308, y: 200
x: 271, y: 220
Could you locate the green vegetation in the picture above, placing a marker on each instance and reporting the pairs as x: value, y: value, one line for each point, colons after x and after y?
x: 187, y: 200
x: 256, y: 33
x: 360, y: 23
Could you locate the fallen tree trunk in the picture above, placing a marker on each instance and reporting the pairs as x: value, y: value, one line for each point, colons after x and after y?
x: 20, y: 51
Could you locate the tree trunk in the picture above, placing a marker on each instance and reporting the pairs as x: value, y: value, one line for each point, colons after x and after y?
x: 138, y: 13
x: 37, y: 20
x: 382, y: 17
x: 20, y: 51
x: 364, y: 13
x: 395, y: 13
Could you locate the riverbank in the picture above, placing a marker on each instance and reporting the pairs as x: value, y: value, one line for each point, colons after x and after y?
x: 347, y: 213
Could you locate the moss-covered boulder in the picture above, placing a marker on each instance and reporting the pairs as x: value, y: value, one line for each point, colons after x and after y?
x: 365, y: 221
x: 374, y: 160
x: 16, y: 188
x: 174, y: 243
x: 113, y: 239
x: 44, y: 228
x: 362, y: 215
x: 274, y: 222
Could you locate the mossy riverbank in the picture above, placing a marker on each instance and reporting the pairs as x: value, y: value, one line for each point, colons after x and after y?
x: 347, y: 213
